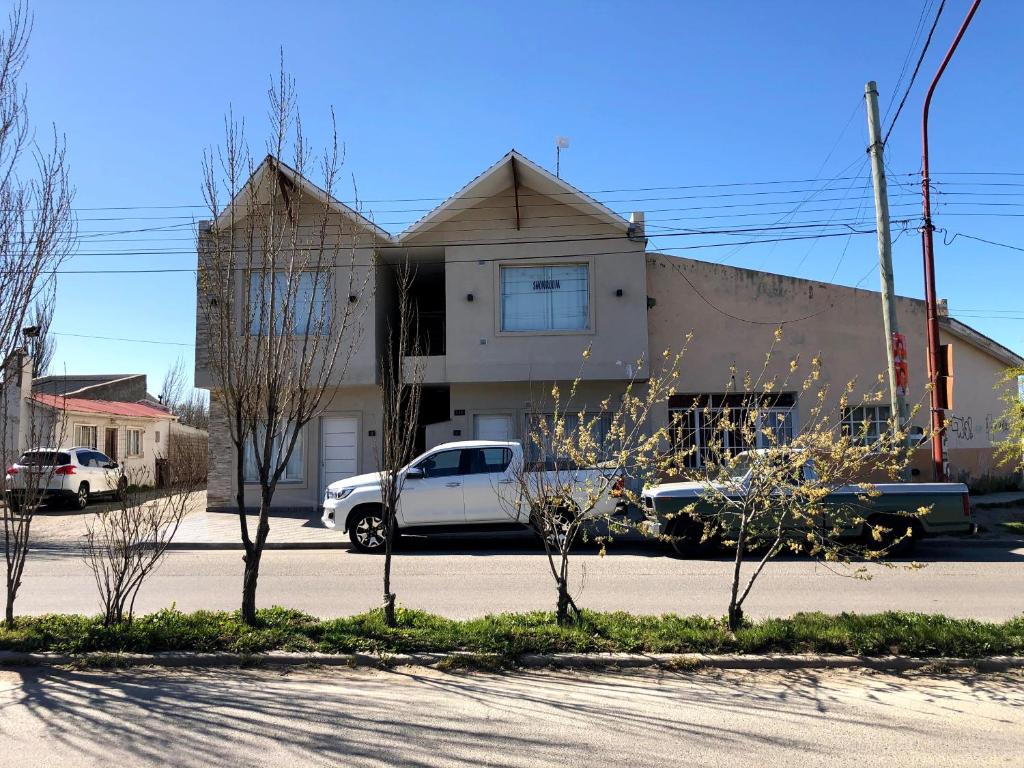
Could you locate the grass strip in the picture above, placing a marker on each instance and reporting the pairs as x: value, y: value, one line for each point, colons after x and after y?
x: 510, y: 635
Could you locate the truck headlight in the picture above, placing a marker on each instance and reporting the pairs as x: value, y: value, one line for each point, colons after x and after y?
x: 340, y: 494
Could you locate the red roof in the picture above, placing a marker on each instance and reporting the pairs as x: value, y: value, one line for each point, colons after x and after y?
x: 108, y: 407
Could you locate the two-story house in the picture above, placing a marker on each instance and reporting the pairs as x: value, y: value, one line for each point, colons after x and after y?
x: 518, y: 273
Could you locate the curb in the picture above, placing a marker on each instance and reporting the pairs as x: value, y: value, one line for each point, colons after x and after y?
x: 469, y: 660
x: 237, y: 545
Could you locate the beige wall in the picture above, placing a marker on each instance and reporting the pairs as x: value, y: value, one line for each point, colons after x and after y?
x: 477, y: 349
x: 841, y: 325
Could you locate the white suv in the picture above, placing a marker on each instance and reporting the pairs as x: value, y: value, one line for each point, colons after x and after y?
x: 68, y: 475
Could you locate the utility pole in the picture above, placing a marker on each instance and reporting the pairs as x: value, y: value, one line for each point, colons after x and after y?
x: 897, y: 401
x: 938, y: 399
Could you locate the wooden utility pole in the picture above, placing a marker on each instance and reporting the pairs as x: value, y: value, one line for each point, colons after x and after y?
x: 897, y: 399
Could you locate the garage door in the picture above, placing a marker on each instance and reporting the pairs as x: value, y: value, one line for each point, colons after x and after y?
x: 339, y: 456
x: 492, y: 427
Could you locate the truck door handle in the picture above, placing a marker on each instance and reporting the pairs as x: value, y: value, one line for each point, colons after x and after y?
x: 452, y: 485
x: 506, y: 482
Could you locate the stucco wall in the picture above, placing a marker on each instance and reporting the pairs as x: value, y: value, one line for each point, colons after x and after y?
x: 477, y: 349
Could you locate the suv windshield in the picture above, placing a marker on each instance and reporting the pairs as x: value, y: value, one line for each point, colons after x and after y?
x: 44, y: 459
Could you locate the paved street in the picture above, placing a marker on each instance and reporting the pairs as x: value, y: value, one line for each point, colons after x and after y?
x: 420, y: 717
x: 470, y: 577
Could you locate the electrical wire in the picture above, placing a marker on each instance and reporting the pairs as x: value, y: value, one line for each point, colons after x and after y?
x: 917, y: 68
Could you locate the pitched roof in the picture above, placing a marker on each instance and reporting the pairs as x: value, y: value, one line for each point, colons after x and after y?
x: 498, y: 178
x: 73, y: 383
x: 103, y: 407
x: 309, y: 188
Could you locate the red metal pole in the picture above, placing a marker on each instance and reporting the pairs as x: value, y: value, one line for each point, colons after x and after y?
x: 938, y: 417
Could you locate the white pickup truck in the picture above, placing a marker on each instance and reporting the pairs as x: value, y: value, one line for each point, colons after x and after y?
x: 461, y: 487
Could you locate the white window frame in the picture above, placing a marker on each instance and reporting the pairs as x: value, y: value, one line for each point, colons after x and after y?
x: 700, y: 455
x: 503, y: 268
x: 128, y: 433
x: 877, y: 415
x: 292, y: 475
x: 95, y: 435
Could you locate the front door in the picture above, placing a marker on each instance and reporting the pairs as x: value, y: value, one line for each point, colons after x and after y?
x: 339, y: 458
x: 436, y: 498
x: 110, y: 443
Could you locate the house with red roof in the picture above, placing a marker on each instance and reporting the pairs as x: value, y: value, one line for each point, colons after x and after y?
x: 113, y: 414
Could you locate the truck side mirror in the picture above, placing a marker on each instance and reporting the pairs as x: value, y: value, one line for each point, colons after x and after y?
x: 414, y: 473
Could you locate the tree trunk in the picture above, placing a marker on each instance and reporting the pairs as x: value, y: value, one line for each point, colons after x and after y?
x: 565, y: 602
x: 735, y: 610
x: 735, y: 617
x: 389, y: 597
x: 9, y: 609
x: 249, y: 579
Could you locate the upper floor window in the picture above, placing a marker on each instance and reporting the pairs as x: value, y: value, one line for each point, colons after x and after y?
x: 297, y: 309
x: 545, y: 298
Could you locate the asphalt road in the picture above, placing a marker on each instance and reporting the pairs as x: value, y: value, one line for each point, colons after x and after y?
x: 416, y: 717
x: 465, y: 578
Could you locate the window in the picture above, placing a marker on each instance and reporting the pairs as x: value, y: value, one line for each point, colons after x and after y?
x: 443, y: 464
x: 307, y: 303
x: 133, y: 442
x: 487, y: 461
x: 86, y: 435
x: 866, y: 422
x: 545, y: 298
x: 541, y: 425
x: 701, y: 425
x: 294, y: 471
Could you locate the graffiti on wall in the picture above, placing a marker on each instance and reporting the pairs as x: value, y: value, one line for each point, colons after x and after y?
x: 962, y: 427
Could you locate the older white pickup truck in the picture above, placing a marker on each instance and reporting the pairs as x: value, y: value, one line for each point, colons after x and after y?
x: 462, y: 487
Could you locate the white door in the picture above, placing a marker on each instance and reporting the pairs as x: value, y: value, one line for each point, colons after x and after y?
x: 489, y: 489
x: 487, y: 426
x: 339, y: 457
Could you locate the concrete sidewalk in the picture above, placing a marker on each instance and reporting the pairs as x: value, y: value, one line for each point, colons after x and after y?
x: 289, y: 529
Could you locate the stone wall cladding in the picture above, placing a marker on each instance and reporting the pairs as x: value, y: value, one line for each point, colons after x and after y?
x: 220, y: 490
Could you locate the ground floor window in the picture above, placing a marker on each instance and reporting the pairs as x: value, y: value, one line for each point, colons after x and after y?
x: 866, y: 422
x: 86, y: 436
x: 295, y: 470
x: 704, y: 425
x: 540, y: 427
x: 133, y: 442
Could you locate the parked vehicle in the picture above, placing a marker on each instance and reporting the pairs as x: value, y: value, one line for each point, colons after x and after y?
x: 893, y: 508
x: 71, y: 476
x: 467, y: 486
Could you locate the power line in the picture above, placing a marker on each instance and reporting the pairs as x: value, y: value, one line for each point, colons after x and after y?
x: 917, y: 68
x: 115, y: 338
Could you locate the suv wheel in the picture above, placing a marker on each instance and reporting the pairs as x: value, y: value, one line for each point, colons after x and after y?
x: 366, y: 531
x: 81, y: 500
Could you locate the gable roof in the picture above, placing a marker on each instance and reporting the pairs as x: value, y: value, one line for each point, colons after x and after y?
x: 103, y: 407
x: 976, y: 338
x: 272, y: 164
x: 75, y: 383
x: 500, y: 177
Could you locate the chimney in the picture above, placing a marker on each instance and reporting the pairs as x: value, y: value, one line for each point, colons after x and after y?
x: 943, y: 308
x: 637, y: 232
x: 25, y: 400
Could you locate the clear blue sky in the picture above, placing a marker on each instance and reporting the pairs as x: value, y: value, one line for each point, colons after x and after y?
x: 429, y: 94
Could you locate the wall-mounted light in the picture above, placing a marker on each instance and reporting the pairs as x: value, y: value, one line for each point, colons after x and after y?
x: 618, y: 292
x: 456, y: 432
x: 352, y: 298
x: 469, y: 297
x: 651, y: 302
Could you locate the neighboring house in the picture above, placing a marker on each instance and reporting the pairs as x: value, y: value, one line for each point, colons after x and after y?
x: 133, y: 434
x: 519, y: 272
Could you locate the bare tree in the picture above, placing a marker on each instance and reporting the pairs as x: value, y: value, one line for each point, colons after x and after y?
x: 766, y: 485
x: 281, y: 303
x: 36, y: 235
x: 400, y: 388
x: 124, y: 545
x: 582, y: 460
x: 41, y: 344
x: 186, y: 402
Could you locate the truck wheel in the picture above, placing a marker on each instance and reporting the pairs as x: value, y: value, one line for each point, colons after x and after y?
x: 366, y: 531
x: 81, y: 500
x: 894, y: 540
x: 688, y: 540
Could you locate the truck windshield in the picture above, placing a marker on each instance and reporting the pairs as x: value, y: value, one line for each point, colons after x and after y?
x: 741, y: 468
x: 44, y: 459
